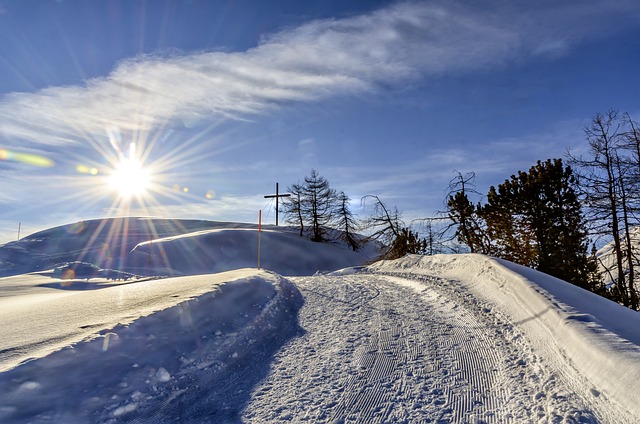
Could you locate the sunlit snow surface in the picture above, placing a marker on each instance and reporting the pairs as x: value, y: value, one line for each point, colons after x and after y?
x: 449, y: 338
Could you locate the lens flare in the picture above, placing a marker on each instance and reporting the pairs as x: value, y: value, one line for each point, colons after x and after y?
x: 87, y: 170
x: 26, y: 158
x: 129, y: 177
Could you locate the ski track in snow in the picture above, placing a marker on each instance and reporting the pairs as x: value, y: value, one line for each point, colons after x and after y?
x: 379, y: 349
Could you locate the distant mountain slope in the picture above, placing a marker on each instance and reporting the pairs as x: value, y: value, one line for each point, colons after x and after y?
x: 152, y: 246
x: 607, y: 258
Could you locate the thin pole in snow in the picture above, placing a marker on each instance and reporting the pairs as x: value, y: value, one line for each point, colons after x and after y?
x: 259, y: 231
x: 19, y: 223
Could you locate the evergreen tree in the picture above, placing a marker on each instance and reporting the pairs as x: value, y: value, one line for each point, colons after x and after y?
x: 406, y: 242
x: 535, y: 219
x: 470, y: 228
x: 469, y: 225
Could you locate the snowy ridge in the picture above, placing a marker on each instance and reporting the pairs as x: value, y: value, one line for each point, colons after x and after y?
x: 224, y: 249
x: 448, y: 338
x: 593, y: 341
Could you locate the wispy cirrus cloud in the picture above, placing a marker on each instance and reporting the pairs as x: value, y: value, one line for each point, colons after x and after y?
x: 314, y: 61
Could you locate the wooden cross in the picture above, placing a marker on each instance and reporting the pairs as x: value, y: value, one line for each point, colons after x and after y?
x: 277, y: 196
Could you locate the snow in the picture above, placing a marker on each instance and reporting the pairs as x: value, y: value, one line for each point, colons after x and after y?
x: 568, y: 326
x: 172, y: 247
x: 139, y: 348
x: 445, y: 338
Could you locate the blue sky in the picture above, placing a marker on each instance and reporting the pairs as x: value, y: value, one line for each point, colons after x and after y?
x: 222, y: 99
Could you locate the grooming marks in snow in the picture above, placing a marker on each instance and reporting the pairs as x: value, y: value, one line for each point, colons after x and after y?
x: 448, y: 338
x: 590, y: 343
x: 380, y: 349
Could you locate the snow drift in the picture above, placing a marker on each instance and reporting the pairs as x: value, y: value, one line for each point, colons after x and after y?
x: 568, y: 326
x: 160, y: 363
x: 216, y: 250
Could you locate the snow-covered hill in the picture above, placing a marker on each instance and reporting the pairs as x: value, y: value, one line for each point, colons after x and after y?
x: 153, y: 246
x: 449, y: 338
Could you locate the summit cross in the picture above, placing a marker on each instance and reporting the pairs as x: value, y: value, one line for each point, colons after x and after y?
x: 277, y: 196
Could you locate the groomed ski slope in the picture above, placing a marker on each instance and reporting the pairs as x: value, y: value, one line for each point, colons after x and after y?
x: 591, y: 344
x: 455, y: 338
x: 448, y: 338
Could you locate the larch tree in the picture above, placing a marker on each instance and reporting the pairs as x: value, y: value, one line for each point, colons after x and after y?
x: 347, y: 222
x: 292, y: 209
x: 317, y: 205
x: 609, y: 183
x: 384, y: 222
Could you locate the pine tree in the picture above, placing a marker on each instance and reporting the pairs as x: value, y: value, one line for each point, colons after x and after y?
x: 406, y: 242
x: 470, y: 228
x: 535, y: 219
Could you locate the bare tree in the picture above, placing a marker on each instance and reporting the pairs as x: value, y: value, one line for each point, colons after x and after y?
x: 292, y: 210
x: 602, y: 183
x: 347, y: 222
x: 384, y: 222
x: 312, y: 204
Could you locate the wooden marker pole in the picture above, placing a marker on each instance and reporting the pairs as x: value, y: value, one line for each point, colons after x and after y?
x: 19, y: 223
x: 259, y: 231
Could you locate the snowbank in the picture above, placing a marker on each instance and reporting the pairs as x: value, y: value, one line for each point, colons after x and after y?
x: 569, y: 326
x: 180, y: 348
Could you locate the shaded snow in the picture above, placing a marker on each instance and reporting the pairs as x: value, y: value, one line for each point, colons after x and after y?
x: 216, y: 250
x: 159, y: 350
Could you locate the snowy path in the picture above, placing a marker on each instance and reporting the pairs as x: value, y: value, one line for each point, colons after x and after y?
x: 386, y: 349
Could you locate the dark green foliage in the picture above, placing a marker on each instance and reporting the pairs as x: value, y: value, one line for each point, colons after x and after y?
x: 406, y: 242
x: 469, y: 227
x: 535, y: 219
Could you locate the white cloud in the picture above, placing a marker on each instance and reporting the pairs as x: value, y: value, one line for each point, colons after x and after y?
x: 316, y: 60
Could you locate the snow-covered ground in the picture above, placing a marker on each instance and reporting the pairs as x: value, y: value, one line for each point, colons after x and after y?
x: 448, y: 338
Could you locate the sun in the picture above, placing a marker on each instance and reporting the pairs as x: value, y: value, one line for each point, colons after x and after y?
x: 130, y: 178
